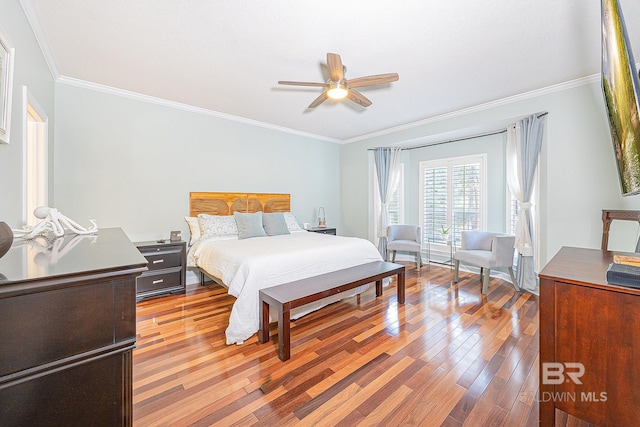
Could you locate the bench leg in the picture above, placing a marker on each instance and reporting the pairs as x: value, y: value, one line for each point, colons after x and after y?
x: 401, y: 287
x: 263, y: 333
x: 378, y: 288
x: 284, y: 334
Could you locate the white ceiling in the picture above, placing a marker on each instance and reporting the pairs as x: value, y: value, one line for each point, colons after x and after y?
x: 227, y: 56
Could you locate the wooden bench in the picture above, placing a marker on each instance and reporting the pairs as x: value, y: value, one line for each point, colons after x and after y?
x: 300, y: 292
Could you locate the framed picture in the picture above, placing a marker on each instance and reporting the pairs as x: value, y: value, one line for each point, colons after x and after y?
x: 6, y: 84
x: 621, y: 89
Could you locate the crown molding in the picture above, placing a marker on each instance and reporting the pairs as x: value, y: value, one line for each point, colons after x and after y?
x: 70, y: 81
x: 481, y: 107
x: 34, y: 23
x: 198, y: 110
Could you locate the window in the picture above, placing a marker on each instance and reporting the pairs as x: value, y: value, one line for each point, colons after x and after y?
x: 35, y: 158
x: 396, y: 204
x: 453, y: 193
x: 512, y: 213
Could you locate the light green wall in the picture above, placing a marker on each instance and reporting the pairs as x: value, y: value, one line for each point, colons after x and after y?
x: 578, y: 176
x: 30, y: 69
x: 131, y: 164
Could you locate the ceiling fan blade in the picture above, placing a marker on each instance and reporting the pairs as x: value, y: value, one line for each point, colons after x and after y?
x: 319, y: 100
x: 282, y: 82
x: 336, y: 70
x: 358, y: 98
x: 378, y: 79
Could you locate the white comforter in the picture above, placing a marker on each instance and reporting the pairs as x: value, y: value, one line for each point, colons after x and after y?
x: 248, y: 265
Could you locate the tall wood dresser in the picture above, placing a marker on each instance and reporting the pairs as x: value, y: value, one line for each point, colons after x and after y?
x: 589, y: 341
x: 67, y: 330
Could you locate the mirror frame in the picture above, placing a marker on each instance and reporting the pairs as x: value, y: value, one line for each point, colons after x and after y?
x: 7, y: 53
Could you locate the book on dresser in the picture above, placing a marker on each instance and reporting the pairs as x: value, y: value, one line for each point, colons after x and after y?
x: 623, y: 275
x: 627, y: 258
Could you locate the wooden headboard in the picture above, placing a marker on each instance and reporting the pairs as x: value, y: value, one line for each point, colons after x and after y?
x: 228, y: 203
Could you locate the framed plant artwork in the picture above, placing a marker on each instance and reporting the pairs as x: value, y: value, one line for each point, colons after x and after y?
x: 621, y: 89
x: 6, y: 84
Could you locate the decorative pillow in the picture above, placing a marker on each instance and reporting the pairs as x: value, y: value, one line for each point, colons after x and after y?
x: 217, y: 225
x: 274, y: 224
x: 249, y: 225
x: 194, y: 228
x: 292, y: 222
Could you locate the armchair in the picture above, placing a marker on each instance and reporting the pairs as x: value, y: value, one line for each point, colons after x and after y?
x: 487, y: 250
x: 407, y: 238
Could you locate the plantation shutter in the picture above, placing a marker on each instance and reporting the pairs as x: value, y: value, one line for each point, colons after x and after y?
x: 394, y: 207
x: 513, y: 214
x: 435, y: 183
x: 453, y: 197
x: 466, y: 199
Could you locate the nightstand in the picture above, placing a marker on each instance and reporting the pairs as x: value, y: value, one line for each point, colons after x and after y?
x: 322, y: 230
x: 167, y: 269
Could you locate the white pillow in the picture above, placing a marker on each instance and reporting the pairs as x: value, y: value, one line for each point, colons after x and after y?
x: 292, y: 222
x: 217, y: 225
x: 194, y: 228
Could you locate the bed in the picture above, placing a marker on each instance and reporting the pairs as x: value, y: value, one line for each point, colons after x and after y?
x: 245, y: 265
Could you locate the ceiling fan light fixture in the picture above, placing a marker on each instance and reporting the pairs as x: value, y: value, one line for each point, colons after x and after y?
x: 337, y: 90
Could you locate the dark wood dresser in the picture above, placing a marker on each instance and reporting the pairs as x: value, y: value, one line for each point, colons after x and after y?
x: 67, y: 331
x: 589, y: 341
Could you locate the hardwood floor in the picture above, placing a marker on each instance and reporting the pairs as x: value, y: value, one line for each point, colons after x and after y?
x: 449, y: 356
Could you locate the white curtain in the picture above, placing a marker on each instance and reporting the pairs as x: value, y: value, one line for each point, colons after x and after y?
x: 387, y: 163
x: 524, y: 140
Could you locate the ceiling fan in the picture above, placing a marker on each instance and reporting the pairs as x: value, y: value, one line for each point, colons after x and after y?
x: 337, y: 87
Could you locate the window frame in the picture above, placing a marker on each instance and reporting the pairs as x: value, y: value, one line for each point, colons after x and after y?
x: 449, y: 163
x: 41, y: 176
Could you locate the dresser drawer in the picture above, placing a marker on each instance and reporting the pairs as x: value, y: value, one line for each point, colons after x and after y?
x: 163, y: 258
x: 163, y: 280
x: 326, y: 232
x: 323, y: 230
x: 166, y: 264
x: 43, y: 328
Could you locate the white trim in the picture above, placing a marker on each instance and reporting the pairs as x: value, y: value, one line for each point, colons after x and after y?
x: 481, y: 107
x: 5, y: 133
x: 448, y: 163
x: 28, y: 99
x: 198, y: 110
x: 34, y: 22
x: 190, y: 108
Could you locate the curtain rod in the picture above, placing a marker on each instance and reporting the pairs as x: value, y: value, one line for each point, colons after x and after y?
x: 460, y: 139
